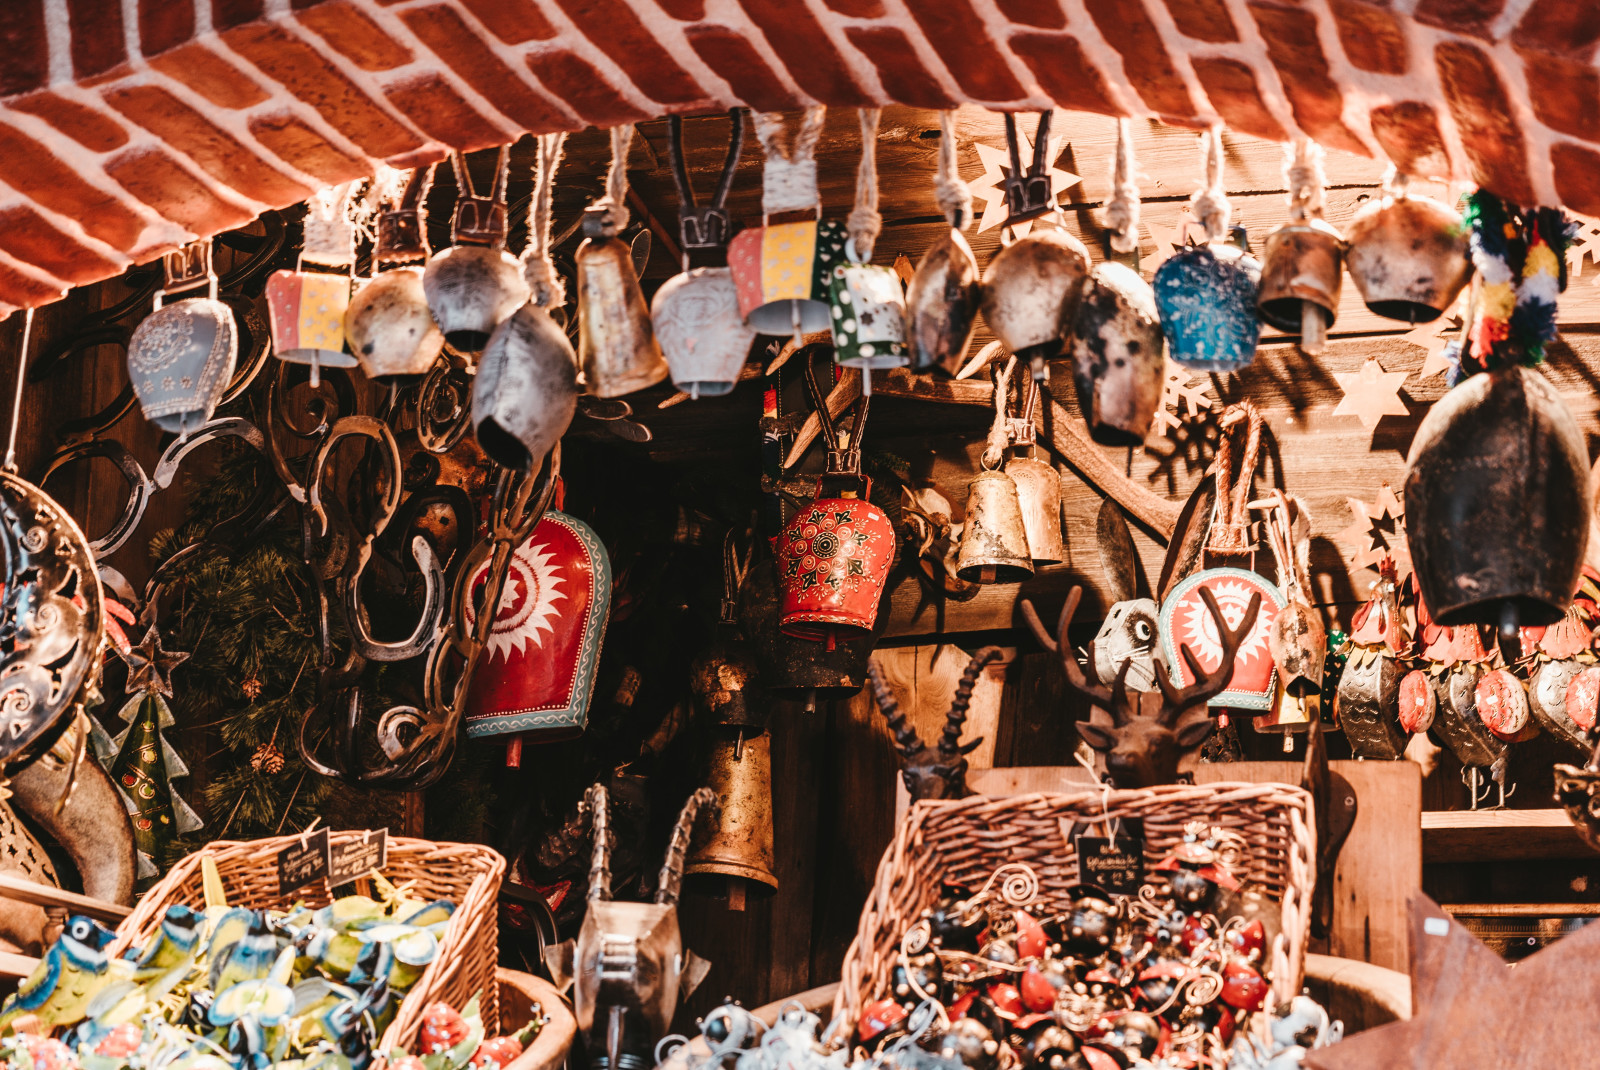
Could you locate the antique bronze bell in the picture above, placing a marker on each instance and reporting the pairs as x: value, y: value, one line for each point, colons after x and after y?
x: 617, y: 346
x: 475, y: 284
x: 388, y: 325
x: 1301, y: 273
x: 994, y: 541
x: 1117, y: 356
x: 734, y: 856
x: 1038, y: 487
x: 1033, y: 284
x: 1497, y: 502
x: 724, y: 678
x: 1408, y: 257
x: 793, y: 668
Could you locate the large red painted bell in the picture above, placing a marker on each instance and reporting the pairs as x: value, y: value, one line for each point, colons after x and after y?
x: 536, y: 674
x: 1186, y: 621
x: 833, y: 559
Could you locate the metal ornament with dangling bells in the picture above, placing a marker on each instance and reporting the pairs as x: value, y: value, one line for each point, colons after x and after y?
x: 1302, y: 267
x: 696, y: 313
x: 181, y: 357
x: 1206, y: 294
x: 617, y: 347
x: 1038, y: 485
x: 474, y: 285
x: 1298, y: 640
x: 945, y: 293
x: 306, y: 309
x: 994, y: 539
x: 526, y: 387
x: 1407, y: 255
x: 388, y: 325
x: 866, y: 300
x: 1033, y: 284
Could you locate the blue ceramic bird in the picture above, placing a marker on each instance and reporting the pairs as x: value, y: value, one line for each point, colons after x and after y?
x: 175, y: 941
x: 67, y: 977
x: 250, y: 958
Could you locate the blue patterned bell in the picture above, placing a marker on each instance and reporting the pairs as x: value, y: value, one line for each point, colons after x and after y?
x: 1207, y: 298
x: 182, y: 356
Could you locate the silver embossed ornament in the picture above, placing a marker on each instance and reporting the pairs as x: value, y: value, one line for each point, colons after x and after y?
x: 182, y: 356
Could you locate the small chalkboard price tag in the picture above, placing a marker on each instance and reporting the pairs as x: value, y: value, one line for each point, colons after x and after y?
x: 303, y: 862
x: 357, y: 858
x: 1115, y: 862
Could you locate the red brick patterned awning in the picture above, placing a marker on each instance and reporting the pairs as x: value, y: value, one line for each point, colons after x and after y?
x: 128, y: 126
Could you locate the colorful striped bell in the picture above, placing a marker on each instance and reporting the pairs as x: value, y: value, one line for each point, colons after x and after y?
x: 782, y: 272
x: 306, y: 310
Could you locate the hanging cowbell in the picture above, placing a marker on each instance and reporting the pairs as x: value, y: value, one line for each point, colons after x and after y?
x: 388, y: 325
x: 526, y: 387
x: 1185, y: 620
x: 867, y: 300
x: 1038, y: 486
x: 1302, y: 266
x: 1367, y: 703
x: 1207, y: 293
x: 994, y: 539
x: 1117, y: 358
x: 306, y: 309
x: 475, y: 284
x: 1497, y: 502
x: 1033, y: 284
x: 182, y: 356
x: 735, y: 856
x: 536, y: 674
x: 797, y: 669
x: 696, y: 314
x: 1408, y: 256
x: 724, y: 678
x: 945, y: 293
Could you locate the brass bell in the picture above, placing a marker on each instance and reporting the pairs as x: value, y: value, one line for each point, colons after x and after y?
x: 1408, y: 257
x: 724, y: 678
x: 617, y: 346
x: 1301, y: 273
x: 1038, y: 488
x: 994, y: 541
x: 734, y: 856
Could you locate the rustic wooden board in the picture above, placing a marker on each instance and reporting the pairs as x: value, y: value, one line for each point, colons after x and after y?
x: 1499, y: 835
x: 924, y: 680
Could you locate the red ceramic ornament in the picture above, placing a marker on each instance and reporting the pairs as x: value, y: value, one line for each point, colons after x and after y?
x: 1006, y: 999
x: 878, y: 1017
x: 1099, y: 1060
x: 959, y: 1008
x: 1194, y: 933
x: 536, y: 673
x: 1583, y: 696
x: 1032, y: 942
x: 1038, y: 994
x: 833, y: 559
x: 1418, y: 703
x: 1185, y: 621
x: 1243, y: 986
x: 1249, y: 940
x: 1503, y: 705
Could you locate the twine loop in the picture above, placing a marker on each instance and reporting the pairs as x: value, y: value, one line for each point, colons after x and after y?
x: 1396, y: 183
x: 1122, y: 210
x: 614, y: 205
x: 999, y: 438
x: 538, y: 269
x: 865, y: 223
x: 1210, y: 202
x: 955, y: 199
x: 1304, y: 176
x: 789, y: 180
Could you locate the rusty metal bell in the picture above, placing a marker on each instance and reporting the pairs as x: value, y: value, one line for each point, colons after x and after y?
x: 1031, y: 292
x: 475, y: 285
x: 526, y: 389
x: 388, y: 325
x: 994, y: 541
x: 1302, y: 269
x: 1117, y: 356
x: 1038, y: 487
x: 1408, y: 257
x: 1497, y: 502
x: 734, y: 856
x: 942, y: 304
x: 617, y: 346
x: 727, y: 685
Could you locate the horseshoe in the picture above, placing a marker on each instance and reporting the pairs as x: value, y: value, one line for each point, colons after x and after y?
x: 140, y: 487
x: 427, y: 624
x: 362, y: 427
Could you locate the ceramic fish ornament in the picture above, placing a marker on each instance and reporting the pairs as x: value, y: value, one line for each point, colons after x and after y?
x: 1556, y: 656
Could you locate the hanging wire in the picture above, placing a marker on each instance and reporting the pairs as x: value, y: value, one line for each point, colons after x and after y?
x: 16, y: 399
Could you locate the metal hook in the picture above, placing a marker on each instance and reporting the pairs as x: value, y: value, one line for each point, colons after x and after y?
x: 709, y: 227
x: 1028, y: 193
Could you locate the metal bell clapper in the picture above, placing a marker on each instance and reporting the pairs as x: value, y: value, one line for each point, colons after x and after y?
x: 617, y: 347
x: 1038, y: 487
x: 1301, y: 273
x: 1408, y: 257
x: 181, y: 357
x: 1117, y: 356
x: 734, y: 858
x: 475, y: 285
x: 1206, y: 295
x: 388, y: 325
x: 525, y: 390
x: 696, y: 314
x: 1033, y: 284
x: 1498, y: 502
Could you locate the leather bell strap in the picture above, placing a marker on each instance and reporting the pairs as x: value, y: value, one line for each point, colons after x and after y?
x: 1028, y: 192
x: 186, y: 268
x: 403, y: 230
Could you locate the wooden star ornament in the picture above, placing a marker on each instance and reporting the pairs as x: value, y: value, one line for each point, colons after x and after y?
x: 1434, y: 337
x: 1377, y: 531
x: 991, y: 185
x: 150, y: 667
x: 1471, y: 1009
x: 1371, y: 393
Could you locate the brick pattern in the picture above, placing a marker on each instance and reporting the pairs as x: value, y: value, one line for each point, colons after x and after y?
x: 129, y: 126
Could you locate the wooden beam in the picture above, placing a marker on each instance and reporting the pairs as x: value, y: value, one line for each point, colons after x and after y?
x: 45, y: 895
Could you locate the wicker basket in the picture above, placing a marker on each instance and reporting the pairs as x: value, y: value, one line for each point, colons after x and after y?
x: 965, y: 840
x: 467, y: 874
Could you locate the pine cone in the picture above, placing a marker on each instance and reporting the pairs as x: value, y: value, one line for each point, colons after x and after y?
x: 267, y: 759
x: 251, y: 687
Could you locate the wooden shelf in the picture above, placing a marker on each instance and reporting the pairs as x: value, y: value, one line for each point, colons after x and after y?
x: 1499, y: 835
x: 1522, y: 910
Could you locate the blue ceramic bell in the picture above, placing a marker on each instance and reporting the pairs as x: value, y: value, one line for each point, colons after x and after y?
x: 182, y: 356
x: 1207, y: 299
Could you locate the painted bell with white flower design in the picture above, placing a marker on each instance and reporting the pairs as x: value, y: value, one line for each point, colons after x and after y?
x: 1185, y: 621
x: 868, y: 307
x: 535, y: 677
x: 182, y: 356
x: 782, y: 272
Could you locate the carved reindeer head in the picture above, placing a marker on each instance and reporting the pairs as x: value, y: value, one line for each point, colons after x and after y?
x: 930, y: 773
x: 1142, y: 733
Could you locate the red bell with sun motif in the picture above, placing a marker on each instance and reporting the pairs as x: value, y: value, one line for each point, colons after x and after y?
x: 536, y: 674
x: 1185, y: 621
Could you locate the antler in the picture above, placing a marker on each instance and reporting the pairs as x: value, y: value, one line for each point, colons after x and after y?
x: 1113, y: 699
x: 950, y: 744
x: 905, y: 737
x: 1207, y: 687
x: 594, y: 801
x: 672, y: 869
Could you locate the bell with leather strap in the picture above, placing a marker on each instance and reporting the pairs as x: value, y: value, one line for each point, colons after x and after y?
x: 696, y: 313
x: 1038, y: 487
x: 733, y: 857
x: 946, y: 290
x: 1498, y: 502
x: 388, y: 325
x: 1408, y: 256
x: 181, y: 357
x: 475, y: 285
x: 1117, y: 359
